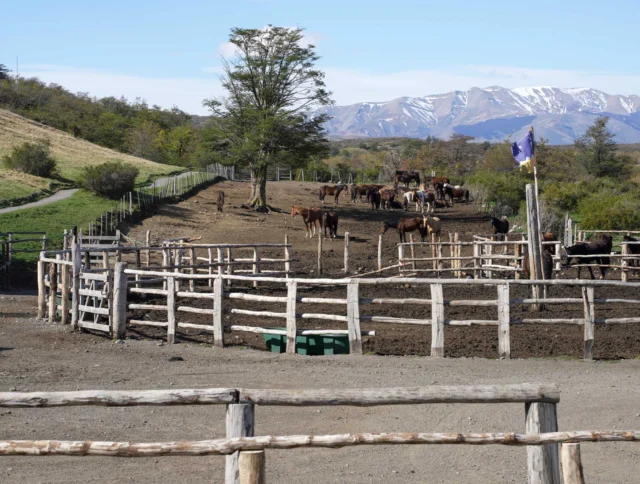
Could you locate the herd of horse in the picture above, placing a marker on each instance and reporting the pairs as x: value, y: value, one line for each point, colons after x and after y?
x: 441, y: 194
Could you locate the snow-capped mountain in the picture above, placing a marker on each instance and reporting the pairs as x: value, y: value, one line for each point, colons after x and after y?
x: 492, y: 113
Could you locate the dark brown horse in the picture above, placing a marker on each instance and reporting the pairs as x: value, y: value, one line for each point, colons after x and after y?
x: 548, y: 251
x: 359, y: 191
x: 500, y: 225
x: 633, y: 249
x: 406, y: 177
x: 599, y: 250
x: 331, y: 190
x: 310, y: 216
x: 387, y: 197
x: 373, y: 196
x: 406, y: 225
x: 220, y: 201
x: 461, y: 194
x: 330, y: 221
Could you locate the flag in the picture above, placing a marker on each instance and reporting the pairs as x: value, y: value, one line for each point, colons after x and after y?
x: 524, y: 151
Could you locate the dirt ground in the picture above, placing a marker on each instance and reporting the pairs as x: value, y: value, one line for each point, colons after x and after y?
x: 36, y: 356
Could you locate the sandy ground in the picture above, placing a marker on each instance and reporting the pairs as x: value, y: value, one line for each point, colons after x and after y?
x: 37, y: 356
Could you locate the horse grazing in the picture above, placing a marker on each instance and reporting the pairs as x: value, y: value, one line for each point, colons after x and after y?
x: 633, y: 249
x: 330, y: 221
x: 406, y: 225
x: 406, y: 177
x: 500, y: 225
x: 329, y: 190
x: 462, y: 194
x: 433, y: 225
x: 220, y: 201
x: 310, y: 216
x: 599, y: 250
x: 548, y: 251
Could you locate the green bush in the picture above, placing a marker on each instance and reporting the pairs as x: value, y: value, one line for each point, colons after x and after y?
x: 608, y: 210
x: 505, y: 188
x: 112, y: 179
x: 32, y: 158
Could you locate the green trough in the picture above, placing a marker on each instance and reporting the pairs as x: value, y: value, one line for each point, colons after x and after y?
x: 312, y: 345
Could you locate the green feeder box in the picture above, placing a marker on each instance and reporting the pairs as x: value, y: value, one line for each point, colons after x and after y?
x: 311, y: 345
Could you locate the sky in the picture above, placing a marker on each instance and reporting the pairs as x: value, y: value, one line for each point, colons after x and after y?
x: 169, y: 53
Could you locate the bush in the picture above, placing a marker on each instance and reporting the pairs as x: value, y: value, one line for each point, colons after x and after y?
x: 112, y: 179
x: 32, y: 158
x: 504, y: 188
x: 608, y: 210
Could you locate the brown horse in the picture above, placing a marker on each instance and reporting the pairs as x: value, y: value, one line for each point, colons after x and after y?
x: 387, y: 197
x: 373, y: 196
x: 406, y: 177
x: 406, y: 225
x: 547, y: 258
x: 330, y: 221
x: 310, y: 217
x: 220, y: 201
x: 461, y: 194
x: 331, y: 190
x: 359, y: 191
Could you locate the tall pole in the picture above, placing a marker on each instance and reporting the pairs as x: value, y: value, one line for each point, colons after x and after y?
x: 535, y: 178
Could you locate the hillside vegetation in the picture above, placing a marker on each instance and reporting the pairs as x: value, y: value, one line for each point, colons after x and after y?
x: 71, y: 154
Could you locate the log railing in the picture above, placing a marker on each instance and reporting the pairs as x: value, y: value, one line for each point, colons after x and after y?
x: 12, y: 243
x: 541, y: 434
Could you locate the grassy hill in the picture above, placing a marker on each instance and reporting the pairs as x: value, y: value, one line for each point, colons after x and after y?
x: 72, y: 154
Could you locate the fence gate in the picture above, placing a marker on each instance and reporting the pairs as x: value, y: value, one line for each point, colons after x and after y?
x: 95, y: 301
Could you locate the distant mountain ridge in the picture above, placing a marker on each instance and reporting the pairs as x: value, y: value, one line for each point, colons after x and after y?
x: 492, y: 114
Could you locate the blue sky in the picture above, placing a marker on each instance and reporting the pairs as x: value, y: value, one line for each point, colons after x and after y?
x: 169, y: 52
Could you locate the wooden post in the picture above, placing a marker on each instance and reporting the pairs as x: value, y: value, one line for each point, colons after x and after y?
x: 440, y: 261
x: 64, y: 290
x: 489, y: 251
x: 256, y: 267
x: 433, y: 251
x: 413, y: 252
x: 171, y: 309
x: 437, y: 321
x: 401, y: 262
x: 251, y: 467
x: 353, y: 318
x: 119, y: 322
x: 572, y: 472
x: 287, y: 256
x: 589, y: 320
x: 452, y: 254
x: 53, y: 292
x: 319, y: 253
x: 534, y: 246
x: 192, y: 282
x: 240, y: 423
x: 229, y: 266
x: 380, y: 252
x: 346, y: 252
x: 517, y: 251
x: 292, y: 288
x: 504, y: 343
x: 76, y: 259
x: 475, y: 259
x: 148, y: 243
x: 42, y: 289
x: 218, y: 330
x: 625, y: 262
x: 542, y: 460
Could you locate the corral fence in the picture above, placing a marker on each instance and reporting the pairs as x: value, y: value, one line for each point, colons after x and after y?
x: 76, y: 285
x: 541, y: 424
x: 282, y: 173
x: 12, y: 243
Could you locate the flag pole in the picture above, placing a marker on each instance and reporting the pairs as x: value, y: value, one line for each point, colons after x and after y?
x: 535, y: 179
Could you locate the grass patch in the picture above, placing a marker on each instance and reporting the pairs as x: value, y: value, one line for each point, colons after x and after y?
x: 80, y: 209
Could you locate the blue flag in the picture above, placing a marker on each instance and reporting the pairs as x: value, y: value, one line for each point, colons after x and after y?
x: 523, y: 151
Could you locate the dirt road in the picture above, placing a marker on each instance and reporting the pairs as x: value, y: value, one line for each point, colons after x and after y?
x: 56, y: 197
x: 37, y: 356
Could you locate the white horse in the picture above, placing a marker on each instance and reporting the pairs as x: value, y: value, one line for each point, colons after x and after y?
x: 420, y: 199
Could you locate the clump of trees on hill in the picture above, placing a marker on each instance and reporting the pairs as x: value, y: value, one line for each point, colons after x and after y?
x: 112, y: 179
x: 31, y: 158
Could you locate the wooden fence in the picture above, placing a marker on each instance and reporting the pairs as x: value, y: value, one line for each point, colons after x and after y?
x: 12, y: 243
x: 541, y: 424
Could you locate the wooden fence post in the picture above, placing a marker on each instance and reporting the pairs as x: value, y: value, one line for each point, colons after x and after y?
x: 353, y: 318
x: 534, y: 246
x: 76, y: 259
x: 42, y: 289
x: 192, y: 255
x: 319, y: 253
x: 251, y: 467
x: 218, y: 330
x: 256, y: 266
x: 53, y: 292
x: 292, y: 289
x: 240, y: 423
x: 171, y: 309
x: 475, y: 259
x: 119, y: 323
x: 504, y: 343
x: 401, y: 262
x: 346, y: 252
x: 64, y: 290
x: 437, y: 320
x: 148, y: 243
x: 412, y: 250
x: 287, y: 256
x: 542, y: 460
x: 589, y: 321
x: 380, y: 252
x: 572, y: 472
x: 625, y: 262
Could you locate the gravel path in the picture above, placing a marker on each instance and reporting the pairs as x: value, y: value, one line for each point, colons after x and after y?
x: 56, y: 197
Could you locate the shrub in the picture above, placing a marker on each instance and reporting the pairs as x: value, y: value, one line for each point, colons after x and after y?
x: 112, y: 179
x: 608, y: 210
x: 504, y: 188
x: 32, y: 158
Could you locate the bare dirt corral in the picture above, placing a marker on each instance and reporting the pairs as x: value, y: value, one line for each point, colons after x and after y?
x: 36, y: 356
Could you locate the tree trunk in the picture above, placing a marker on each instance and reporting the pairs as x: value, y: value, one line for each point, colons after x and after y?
x: 258, y: 199
x: 254, y: 186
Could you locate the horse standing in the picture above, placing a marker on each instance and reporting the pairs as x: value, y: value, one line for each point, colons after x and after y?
x: 330, y: 221
x: 433, y: 225
x: 548, y: 251
x: 406, y: 177
x: 310, y: 216
x: 452, y: 192
x: 500, y: 225
x: 220, y: 201
x: 633, y: 249
x: 599, y: 250
x: 406, y: 225
x: 373, y: 196
x: 330, y: 190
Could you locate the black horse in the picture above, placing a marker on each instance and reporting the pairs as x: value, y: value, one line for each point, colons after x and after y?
x: 500, y: 226
x: 599, y: 250
x: 633, y: 249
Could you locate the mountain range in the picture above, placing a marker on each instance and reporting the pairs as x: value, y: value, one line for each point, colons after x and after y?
x: 490, y: 114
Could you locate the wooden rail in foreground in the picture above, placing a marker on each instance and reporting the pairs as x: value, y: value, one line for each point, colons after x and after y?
x: 541, y: 425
